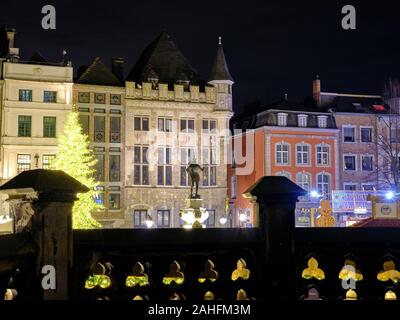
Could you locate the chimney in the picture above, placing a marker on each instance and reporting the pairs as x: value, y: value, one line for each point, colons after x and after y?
x: 118, y: 68
x: 11, y: 37
x: 317, y: 92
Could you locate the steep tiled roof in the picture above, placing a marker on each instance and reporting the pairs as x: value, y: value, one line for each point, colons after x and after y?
x: 98, y: 74
x: 37, y: 58
x: 163, y: 59
x: 220, y: 70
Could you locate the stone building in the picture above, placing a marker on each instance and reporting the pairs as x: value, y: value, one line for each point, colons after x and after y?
x: 174, y: 117
x: 99, y: 97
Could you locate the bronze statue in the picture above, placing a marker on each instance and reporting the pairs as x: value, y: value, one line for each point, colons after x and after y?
x: 194, y: 173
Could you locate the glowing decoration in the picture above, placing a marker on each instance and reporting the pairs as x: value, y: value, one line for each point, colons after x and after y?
x: 241, y: 272
x: 313, y: 272
x: 223, y: 220
x: 75, y: 157
x: 10, y: 294
x: 209, y: 296
x: 242, y: 217
x: 174, y: 275
x: 241, y: 295
x: 349, y: 272
x: 98, y: 278
x: 194, y: 215
x: 390, y: 296
x: 209, y: 273
x: 314, y: 194
x: 351, y: 295
x: 149, y: 222
x: 175, y: 297
x: 138, y: 277
x: 138, y: 298
x: 389, y: 272
x: 390, y: 195
x: 326, y: 220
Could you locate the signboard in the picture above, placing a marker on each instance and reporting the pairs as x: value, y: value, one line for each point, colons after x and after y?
x: 353, y: 201
x: 386, y: 210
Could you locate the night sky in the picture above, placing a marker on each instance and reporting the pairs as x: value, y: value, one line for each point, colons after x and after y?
x: 272, y: 47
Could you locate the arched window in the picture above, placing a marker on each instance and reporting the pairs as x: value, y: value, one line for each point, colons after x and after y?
x: 303, y: 180
x: 284, y: 174
x: 324, y: 183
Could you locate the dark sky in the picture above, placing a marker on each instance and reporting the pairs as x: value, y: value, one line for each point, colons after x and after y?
x: 272, y: 47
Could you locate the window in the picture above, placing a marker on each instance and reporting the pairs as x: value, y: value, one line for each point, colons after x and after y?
x: 234, y: 187
x: 115, y: 129
x: 99, y: 167
x: 141, y: 166
x: 100, y: 98
x: 323, y: 155
x: 350, y: 163
x: 164, y: 172
x: 187, y: 126
x: 350, y: 187
x: 302, y: 120
x: 323, y: 183
x: 366, y: 135
x: 25, y: 95
x: 115, y: 168
x: 164, y: 125
x: 99, y: 129
x: 368, y: 187
x: 139, y: 218
x: 283, y: 174
x: 141, y: 124
x: 115, y: 99
x: 84, y: 122
x: 83, y: 97
x: 210, y: 222
x: 367, y: 163
x: 209, y: 126
x: 49, y: 127
x: 282, y: 119
x: 303, y: 180
x: 349, y: 134
x: 47, y: 159
x: 210, y: 167
x: 303, y: 154
x: 282, y: 154
x: 187, y: 156
x: 23, y: 162
x: 50, y: 96
x: 99, y: 196
x: 322, y: 122
x: 114, y: 201
x: 163, y: 218
x: 24, y: 126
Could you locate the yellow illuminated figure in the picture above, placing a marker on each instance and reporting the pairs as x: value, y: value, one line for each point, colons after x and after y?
x: 326, y: 220
x: 138, y: 277
x: 241, y: 271
x: 174, y: 275
x: 389, y: 272
x: 349, y: 272
x: 351, y: 295
x: 209, y: 273
x: 241, y: 295
x: 313, y: 272
x: 98, y: 278
x: 390, y: 296
x: 138, y: 298
x: 209, y: 296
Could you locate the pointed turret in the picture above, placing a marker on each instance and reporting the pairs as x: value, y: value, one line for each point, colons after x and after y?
x: 220, y: 70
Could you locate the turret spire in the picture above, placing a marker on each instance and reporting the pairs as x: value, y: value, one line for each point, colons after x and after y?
x: 220, y: 70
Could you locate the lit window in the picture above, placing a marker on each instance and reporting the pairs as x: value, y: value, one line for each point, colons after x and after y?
x: 323, y: 183
x: 114, y: 201
x: 47, y: 160
x: 322, y: 121
x: 282, y: 119
x: 302, y: 119
x: 349, y: 134
x: 164, y: 167
x: 323, y: 155
x: 187, y: 126
x: 164, y: 125
x: 23, y: 162
x: 282, y: 154
x: 139, y: 218
x: 50, y: 96
x: 210, y: 167
x: 303, y: 154
x: 350, y: 163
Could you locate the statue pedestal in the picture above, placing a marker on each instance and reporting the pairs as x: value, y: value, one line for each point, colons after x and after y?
x: 194, y: 215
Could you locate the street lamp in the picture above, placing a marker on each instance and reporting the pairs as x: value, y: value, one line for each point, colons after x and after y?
x: 223, y: 220
x: 390, y: 195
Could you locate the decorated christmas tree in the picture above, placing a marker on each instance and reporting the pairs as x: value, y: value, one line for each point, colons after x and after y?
x: 75, y: 157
